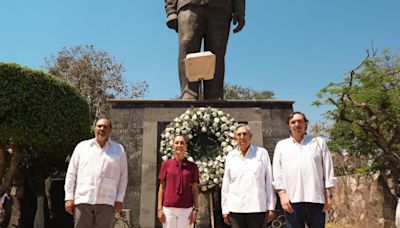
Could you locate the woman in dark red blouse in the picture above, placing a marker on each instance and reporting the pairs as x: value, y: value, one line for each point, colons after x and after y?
x: 178, y: 192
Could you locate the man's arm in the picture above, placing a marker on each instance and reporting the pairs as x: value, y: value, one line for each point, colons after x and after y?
x: 172, y: 14
x: 329, y: 177
x: 70, y: 180
x: 225, y: 192
x: 238, y: 14
x: 123, y: 181
x: 278, y: 179
x: 271, y: 198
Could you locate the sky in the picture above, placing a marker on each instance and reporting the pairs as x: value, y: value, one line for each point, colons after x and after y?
x: 291, y: 47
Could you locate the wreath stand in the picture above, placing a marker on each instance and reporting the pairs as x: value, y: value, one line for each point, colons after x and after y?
x: 206, y: 210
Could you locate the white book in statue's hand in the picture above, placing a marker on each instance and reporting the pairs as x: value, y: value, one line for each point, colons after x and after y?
x: 200, y: 66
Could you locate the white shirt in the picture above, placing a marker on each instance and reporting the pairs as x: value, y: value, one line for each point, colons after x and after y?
x: 247, y: 184
x: 303, y: 169
x: 97, y: 175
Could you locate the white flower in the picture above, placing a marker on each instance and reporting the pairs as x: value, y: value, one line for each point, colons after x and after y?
x: 216, y: 120
x: 224, y: 144
x: 190, y: 159
x: 203, y: 129
x: 216, y: 180
x: 164, y: 158
x: 204, y: 177
x: 190, y: 136
x: 194, y: 117
x: 187, y: 112
x: 229, y: 148
x: 221, y: 171
x: 220, y: 113
x: 224, y: 119
x: 218, y: 134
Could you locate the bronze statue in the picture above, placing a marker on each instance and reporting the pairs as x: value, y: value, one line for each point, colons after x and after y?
x: 208, y: 21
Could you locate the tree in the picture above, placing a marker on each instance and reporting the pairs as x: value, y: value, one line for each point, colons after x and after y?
x: 236, y: 92
x: 42, y: 118
x: 96, y: 74
x: 366, y: 112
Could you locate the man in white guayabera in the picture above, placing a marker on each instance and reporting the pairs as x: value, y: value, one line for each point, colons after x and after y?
x: 303, y: 175
x: 96, y: 179
x: 247, y: 196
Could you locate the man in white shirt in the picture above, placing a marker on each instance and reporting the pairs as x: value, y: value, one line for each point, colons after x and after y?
x: 96, y: 179
x: 247, y: 195
x: 303, y: 175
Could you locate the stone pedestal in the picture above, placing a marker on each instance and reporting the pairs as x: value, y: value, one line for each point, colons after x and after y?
x: 137, y: 125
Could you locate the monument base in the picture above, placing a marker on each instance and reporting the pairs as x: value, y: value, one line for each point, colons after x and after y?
x: 137, y: 125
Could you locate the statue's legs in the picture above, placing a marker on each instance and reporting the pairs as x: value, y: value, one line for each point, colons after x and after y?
x: 215, y: 40
x: 191, y: 28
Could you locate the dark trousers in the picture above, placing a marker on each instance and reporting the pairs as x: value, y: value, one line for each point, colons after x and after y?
x: 93, y: 216
x: 197, y: 24
x: 310, y: 213
x: 247, y: 220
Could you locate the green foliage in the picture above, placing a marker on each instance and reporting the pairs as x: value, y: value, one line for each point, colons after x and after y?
x: 47, y: 116
x: 236, y: 92
x: 366, y: 112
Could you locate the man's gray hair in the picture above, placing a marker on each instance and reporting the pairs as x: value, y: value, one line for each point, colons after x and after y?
x: 243, y: 125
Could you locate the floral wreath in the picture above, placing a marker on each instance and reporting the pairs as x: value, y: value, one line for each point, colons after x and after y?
x: 210, y: 136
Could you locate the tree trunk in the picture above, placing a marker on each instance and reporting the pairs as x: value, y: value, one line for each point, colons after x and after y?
x: 17, y: 154
x: 39, y: 216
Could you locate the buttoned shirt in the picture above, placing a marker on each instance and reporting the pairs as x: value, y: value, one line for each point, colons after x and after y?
x: 97, y: 175
x: 247, y: 183
x: 304, y: 170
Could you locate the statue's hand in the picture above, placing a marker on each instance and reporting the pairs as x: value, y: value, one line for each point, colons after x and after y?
x: 172, y: 22
x: 239, y: 20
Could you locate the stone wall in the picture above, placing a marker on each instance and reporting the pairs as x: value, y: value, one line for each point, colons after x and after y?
x: 363, y: 200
